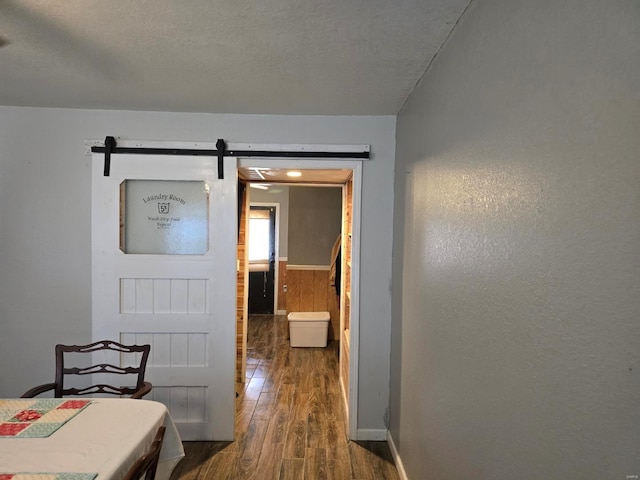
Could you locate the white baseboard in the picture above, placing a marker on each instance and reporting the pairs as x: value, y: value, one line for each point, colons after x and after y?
x: 372, y: 434
x: 281, y: 312
x: 396, y: 457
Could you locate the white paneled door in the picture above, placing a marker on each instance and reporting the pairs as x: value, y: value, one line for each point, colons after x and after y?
x: 164, y: 237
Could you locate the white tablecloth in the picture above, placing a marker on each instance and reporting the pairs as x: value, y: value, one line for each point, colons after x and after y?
x: 106, y: 438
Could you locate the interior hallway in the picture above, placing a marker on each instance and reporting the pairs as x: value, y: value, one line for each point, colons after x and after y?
x: 290, y: 422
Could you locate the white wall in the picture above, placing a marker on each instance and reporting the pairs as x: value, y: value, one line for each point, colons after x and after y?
x: 45, y: 259
x: 516, y: 329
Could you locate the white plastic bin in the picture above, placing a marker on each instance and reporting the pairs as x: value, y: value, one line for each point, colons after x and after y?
x: 308, y: 329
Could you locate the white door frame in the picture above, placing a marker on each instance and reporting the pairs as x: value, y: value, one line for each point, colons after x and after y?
x: 307, y: 163
x: 330, y: 164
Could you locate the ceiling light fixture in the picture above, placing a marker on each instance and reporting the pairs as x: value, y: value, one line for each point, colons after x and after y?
x: 259, y: 186
x: 294, y: 174
x: 258, y: 172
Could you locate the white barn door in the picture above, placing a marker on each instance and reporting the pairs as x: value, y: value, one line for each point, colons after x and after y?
x: 164, y: 239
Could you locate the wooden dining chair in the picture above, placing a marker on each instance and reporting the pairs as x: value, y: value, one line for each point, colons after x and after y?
x: 147, y: 464
x: 134, y: 356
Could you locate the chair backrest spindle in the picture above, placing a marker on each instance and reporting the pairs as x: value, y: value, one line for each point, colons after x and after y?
x: 64, y: 371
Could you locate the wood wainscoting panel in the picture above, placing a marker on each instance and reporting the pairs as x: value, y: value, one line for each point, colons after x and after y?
x: 308, y: 290
x: 320, y: 290
x: 294, y: 291
x: 307, y: 283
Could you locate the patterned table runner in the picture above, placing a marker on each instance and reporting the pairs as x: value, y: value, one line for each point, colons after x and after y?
x: 37, y: 418
x: 48, y: 476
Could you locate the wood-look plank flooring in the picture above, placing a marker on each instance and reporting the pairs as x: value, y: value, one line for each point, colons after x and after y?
x: 290, y: 421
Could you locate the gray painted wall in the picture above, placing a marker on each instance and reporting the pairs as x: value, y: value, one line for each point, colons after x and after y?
x: 315, y: 217
x: 515, y: 337
x: 45, y: 225
x: 277, y: 194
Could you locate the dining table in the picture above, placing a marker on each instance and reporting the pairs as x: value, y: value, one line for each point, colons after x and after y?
x: 96, y: 438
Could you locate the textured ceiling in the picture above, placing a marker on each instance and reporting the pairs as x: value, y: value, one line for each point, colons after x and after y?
x: 329, y: 57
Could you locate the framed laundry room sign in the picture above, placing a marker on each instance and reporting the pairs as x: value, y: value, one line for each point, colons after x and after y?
x: 164, y: 217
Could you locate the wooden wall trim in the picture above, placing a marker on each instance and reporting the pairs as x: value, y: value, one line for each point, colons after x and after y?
x: 308, y: 267
x: 242, y: 293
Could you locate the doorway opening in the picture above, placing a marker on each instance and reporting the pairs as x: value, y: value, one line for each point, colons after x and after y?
x: 293, y: 278
x: 209, y: 298
x: 262, y: 258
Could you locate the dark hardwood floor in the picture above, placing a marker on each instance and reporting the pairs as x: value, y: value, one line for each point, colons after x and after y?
x: 290, y: 422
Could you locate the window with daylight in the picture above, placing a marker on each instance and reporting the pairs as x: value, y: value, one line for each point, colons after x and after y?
x: 259, y: 240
